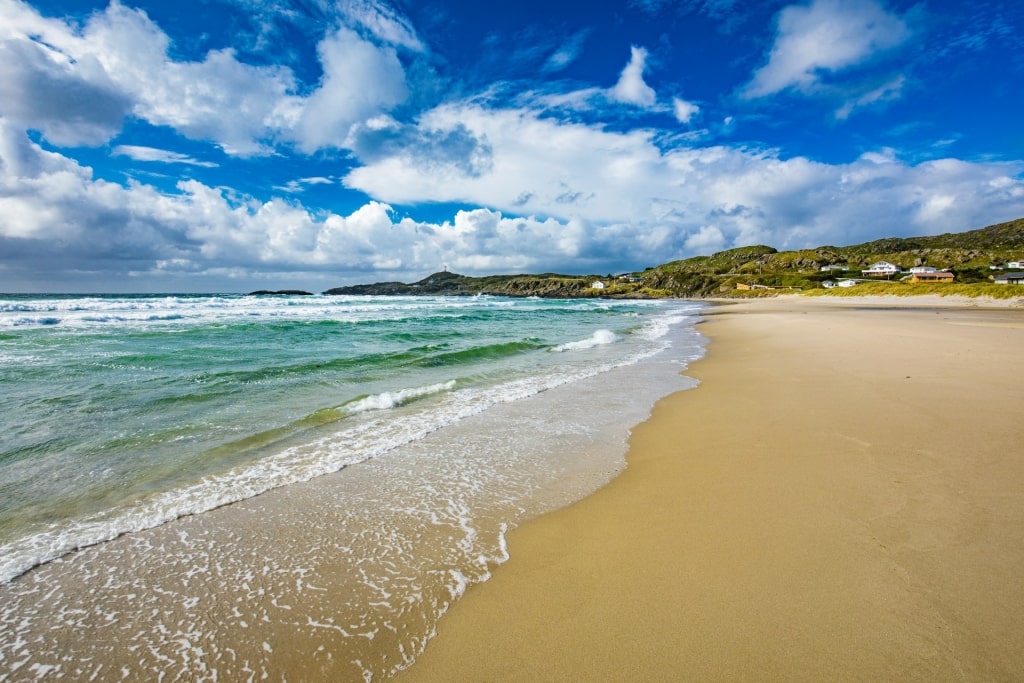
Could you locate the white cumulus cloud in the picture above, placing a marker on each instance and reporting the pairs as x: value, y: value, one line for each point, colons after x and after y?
x: 359, y: 81
x: 76, y: 84
x: 631, y: 88
x: 683, y: 110
x: 50, y: 84
x: 572, y: 171
x: 823, y: 38
x: 191, y: 97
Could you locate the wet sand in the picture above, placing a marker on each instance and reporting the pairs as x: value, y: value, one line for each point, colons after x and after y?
x: 841, y: 499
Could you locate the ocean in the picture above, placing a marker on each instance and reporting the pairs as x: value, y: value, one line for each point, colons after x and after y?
x: 228, y: 487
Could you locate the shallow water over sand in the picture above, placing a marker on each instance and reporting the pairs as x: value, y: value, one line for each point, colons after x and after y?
x: 344, y: 575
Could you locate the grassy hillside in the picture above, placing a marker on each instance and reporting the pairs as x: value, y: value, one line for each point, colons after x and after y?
x: 968, y: 255
x: 550, y: 285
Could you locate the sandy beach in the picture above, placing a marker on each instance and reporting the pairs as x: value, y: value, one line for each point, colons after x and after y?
x: 840, y: 499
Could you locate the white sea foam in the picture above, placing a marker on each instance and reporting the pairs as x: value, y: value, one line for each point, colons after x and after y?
x: 599, y: 338
x: 658, y: 327
x: 349, y: 445
x: 415, y: 527
x: 159, y: 311
x: 369, y: 435
x: 390, y: 399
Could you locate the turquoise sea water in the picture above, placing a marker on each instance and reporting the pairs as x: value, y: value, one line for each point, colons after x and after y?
x: 121, y: 414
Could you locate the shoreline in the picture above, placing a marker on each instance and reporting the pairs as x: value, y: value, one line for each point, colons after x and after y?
x: 339, y: 575
x: 838, y: 499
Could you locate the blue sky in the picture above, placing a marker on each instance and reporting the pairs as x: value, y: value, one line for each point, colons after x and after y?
x: 228, y: 145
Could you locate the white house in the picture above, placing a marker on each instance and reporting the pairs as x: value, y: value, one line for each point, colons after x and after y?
x: 833, y: 266
x: 1015, y: 264
x: 597, y: 284
x: 846, y: 283
x: 882, y: 268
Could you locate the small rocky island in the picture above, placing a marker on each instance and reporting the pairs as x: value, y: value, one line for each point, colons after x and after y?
x: 281, y: 292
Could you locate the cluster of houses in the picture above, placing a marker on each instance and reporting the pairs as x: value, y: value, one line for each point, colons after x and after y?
x: 1015, y: 276
x: 884, y: 269
x: 625, y: 277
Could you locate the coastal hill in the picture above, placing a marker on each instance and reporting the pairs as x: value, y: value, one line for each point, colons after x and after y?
x: 968, y: 255
x: 549, y: 285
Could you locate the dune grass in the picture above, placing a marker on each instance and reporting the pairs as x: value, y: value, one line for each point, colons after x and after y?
x: 974, y: 289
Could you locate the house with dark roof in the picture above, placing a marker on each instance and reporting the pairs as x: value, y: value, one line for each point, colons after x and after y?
x: 1016, y: 278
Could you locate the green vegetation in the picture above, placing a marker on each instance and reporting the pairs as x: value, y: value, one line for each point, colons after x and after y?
x: 550, y: 285
x: 967, y: 255
x: 977, y: 289
x: 764, y: 271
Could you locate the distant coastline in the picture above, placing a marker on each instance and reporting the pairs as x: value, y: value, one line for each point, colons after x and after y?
x: 977, y: 263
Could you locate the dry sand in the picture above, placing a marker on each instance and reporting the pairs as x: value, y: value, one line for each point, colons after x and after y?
x: 841, y: 499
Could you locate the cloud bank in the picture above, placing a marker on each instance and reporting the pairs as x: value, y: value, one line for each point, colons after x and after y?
x: 53, y: 210
x: 77, y: 85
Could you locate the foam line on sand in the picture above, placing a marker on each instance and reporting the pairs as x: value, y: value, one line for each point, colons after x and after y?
x: 840, y: 499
